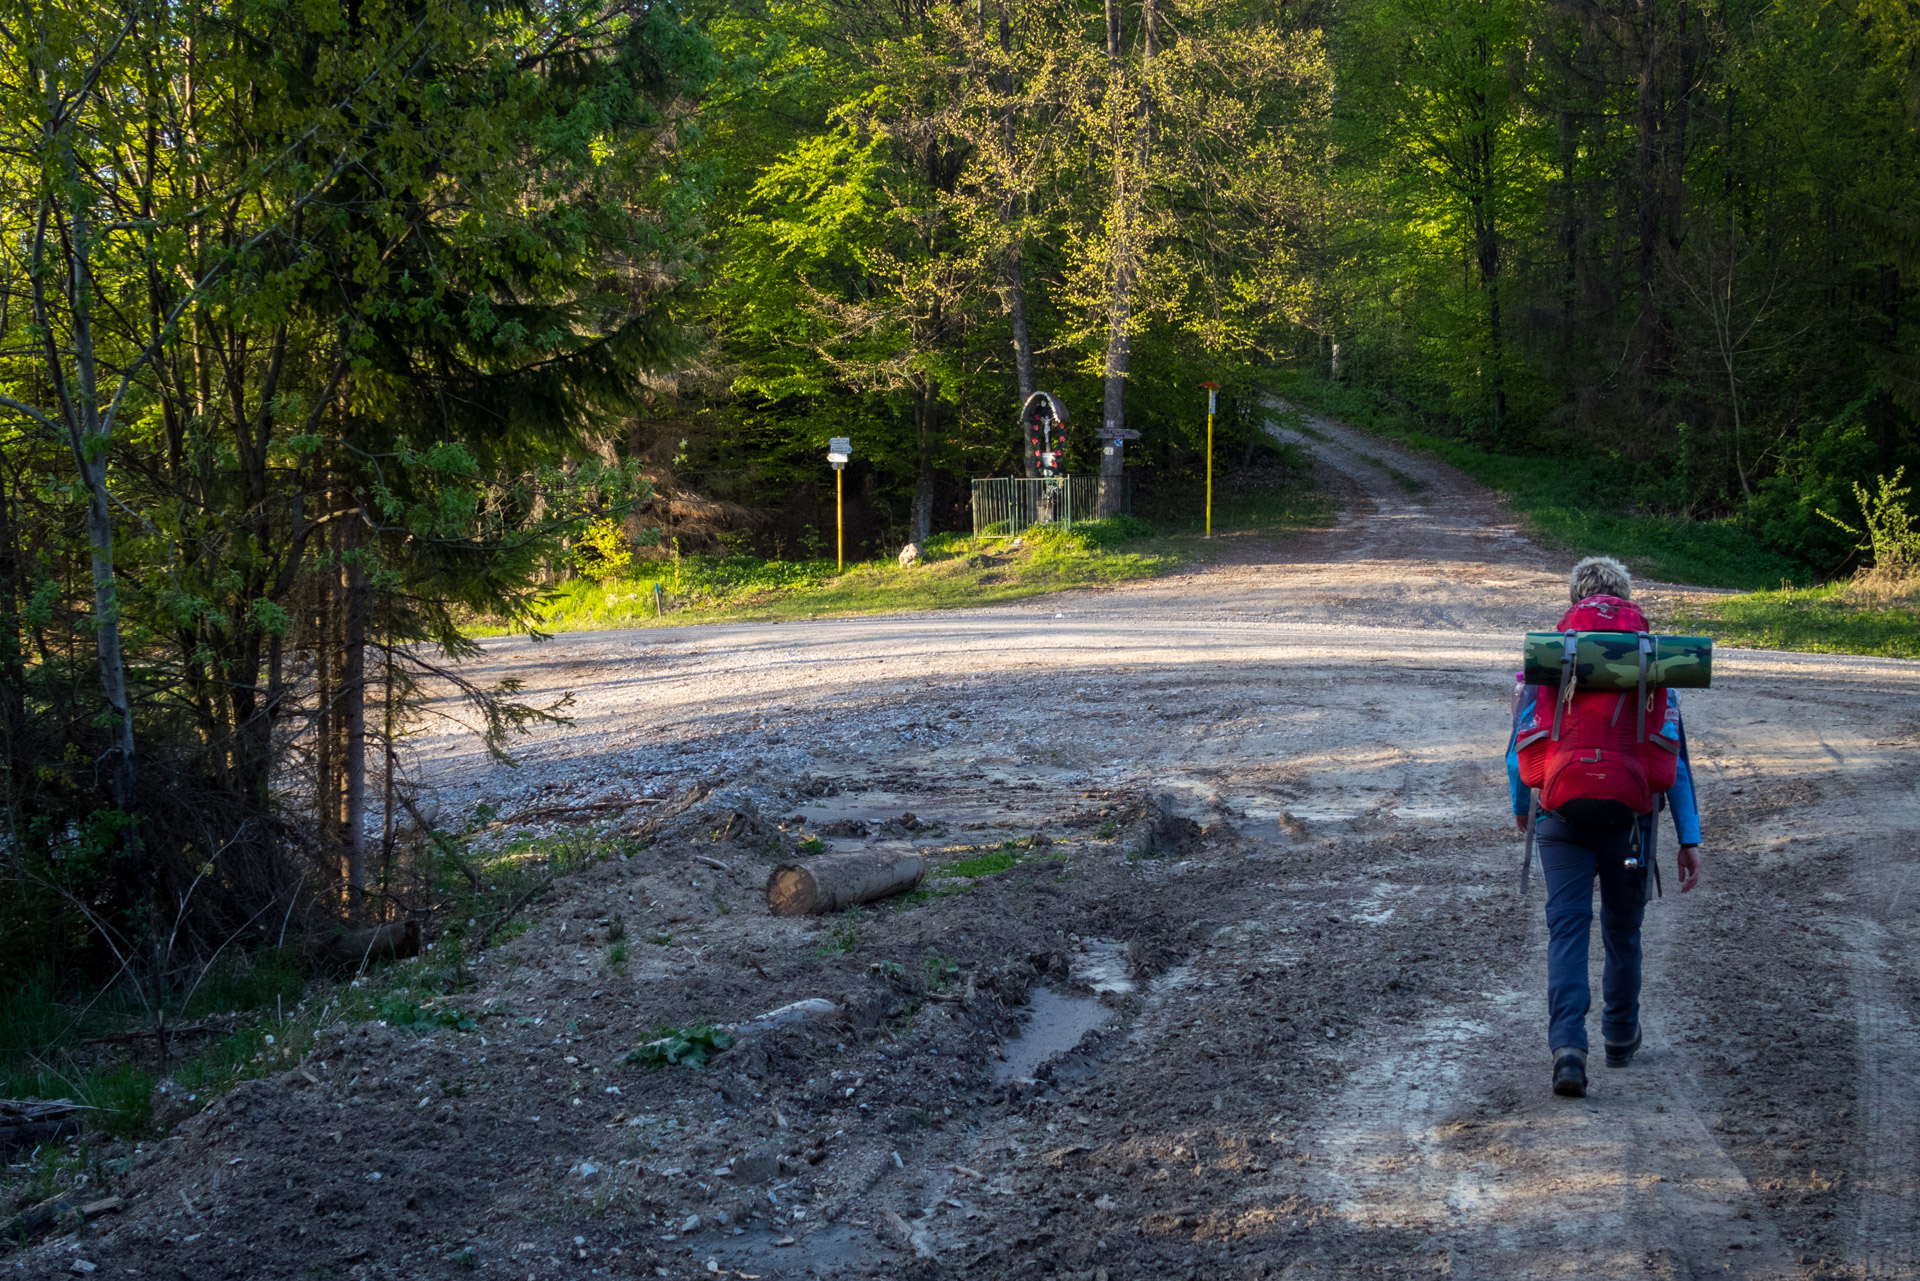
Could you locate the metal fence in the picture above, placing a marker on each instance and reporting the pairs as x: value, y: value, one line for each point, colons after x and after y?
x: 1005, y: 505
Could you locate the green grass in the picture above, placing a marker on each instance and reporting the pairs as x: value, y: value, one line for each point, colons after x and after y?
x: 1579, y: 503
x: 844, y: 938
x: 955, y: 570
x: 1823, y: 620
x: 988, y: 864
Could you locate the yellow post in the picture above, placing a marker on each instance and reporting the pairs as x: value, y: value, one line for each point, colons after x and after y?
x: 1209, y: 467
x: 839, y: 453
x: 1211, y: 392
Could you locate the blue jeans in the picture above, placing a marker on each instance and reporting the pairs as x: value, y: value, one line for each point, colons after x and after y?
x: 1570, y: 858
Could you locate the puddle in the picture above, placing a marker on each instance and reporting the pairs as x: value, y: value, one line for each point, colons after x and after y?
x: 1055, y: 1024
x: 823, y: 1250
x: 1102, y: 965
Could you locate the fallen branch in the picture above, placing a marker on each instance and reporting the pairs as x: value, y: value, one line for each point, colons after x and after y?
x: 26, y: 1123
x: 513, y: 909
x: 814, y: 1009
x: 47, y: 1212
x: 562, y: 811
x: 202, y: 1027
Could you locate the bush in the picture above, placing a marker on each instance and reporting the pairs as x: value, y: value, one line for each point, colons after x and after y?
x: 602, y: 551
x: 1889, y: 537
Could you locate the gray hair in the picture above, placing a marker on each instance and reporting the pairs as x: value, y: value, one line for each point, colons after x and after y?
x: 1599, y: 576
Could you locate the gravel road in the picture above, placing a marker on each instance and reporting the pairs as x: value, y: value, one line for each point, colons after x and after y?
x: 1318, y: 1045
x: 1354, y: 682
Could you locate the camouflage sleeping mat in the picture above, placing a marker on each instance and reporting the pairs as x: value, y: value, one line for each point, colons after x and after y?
x: 1611, y: 660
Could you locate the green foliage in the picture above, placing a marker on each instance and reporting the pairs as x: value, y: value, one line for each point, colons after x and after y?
x: 941, y: 971
x: 1583, y: 506
x: 843, y: 938
x: 440, y: 259
x: 602, y: 550
x: 1518, y: 275
x: 1890, y: 536
x: 398, y: 1011
x: 681, y: 1047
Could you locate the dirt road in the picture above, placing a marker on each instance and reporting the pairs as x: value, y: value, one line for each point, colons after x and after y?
x: 1255, y: 993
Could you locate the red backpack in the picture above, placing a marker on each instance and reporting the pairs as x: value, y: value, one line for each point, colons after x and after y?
x: 1598, y: 760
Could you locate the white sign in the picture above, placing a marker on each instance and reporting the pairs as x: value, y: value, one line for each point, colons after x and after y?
x: 840, y: 450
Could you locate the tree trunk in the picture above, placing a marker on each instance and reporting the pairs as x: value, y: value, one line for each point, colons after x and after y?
x: 1110, y: 497
x: 837, y: 881
x: 354, y: 712
x: 88, y: 436
x: 13, y: 664
x: 1569, y: 236
x: 1486, y: 247
x: 1128, y: 170
x: 1013, y: 269
x: 1647, y: 170
x: 923, y: 486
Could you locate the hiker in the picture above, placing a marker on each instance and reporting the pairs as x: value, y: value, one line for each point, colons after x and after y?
x: 1601, y: 837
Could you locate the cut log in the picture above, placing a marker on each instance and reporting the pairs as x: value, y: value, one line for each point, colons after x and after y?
x: 353, y: 948
x: 834, y: 882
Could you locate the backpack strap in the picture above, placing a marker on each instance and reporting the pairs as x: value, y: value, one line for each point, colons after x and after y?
x: 1653, y: 847
x: 1533, y: 818
x: 1568, y: 651
x: 1646, y: 648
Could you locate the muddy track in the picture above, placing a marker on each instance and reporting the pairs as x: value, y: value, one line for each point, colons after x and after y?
x: 1265, y: 911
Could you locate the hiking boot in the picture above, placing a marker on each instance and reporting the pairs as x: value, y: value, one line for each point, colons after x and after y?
x: 1570, y: 1073
x: 1618, y: 1056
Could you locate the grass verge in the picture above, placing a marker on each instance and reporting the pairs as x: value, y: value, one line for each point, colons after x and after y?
x: 1579, y: 503
x: 1836, y: 619
x: 954, y: 571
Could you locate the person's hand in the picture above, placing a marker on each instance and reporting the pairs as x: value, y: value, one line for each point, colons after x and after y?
x: 1520, y: 821
x: 1689, y: 867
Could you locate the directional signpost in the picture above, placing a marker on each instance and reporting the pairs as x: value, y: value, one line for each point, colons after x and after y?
x: 839, y: 453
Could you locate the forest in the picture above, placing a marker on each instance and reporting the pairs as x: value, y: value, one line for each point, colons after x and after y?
x: 327, y: 329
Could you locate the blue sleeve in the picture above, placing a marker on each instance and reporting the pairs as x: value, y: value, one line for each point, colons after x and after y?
x: 1686, y: 810
x: 1522, y: 797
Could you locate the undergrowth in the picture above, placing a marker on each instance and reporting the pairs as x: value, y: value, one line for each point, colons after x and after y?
x: 258, y: 1012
